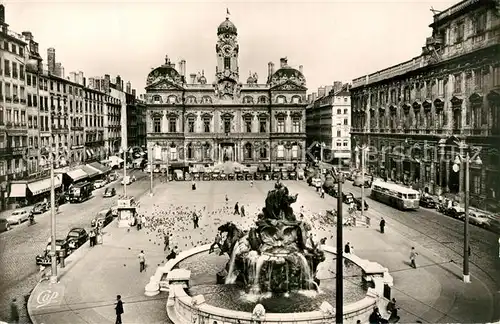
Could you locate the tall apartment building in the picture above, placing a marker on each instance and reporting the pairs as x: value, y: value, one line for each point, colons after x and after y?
x: 328, y: 116
x: 407, y: 112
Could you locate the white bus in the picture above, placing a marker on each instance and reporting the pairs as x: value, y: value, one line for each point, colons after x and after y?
x: 395, y: 195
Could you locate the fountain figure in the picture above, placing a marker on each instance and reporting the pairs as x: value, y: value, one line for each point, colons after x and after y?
x: 273, y: 256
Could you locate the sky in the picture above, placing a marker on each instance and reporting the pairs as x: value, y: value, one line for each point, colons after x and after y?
x: 333, y: 40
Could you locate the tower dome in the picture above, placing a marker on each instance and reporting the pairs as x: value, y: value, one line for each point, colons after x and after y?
x: 227, y: 27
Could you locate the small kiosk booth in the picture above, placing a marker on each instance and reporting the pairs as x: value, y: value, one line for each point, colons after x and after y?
x: 126, y: 211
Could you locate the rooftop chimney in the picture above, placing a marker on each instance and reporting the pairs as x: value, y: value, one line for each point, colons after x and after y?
x: 128, y: 89
x: 133, y: 92
x: 51, y: 60
x: 119, y: 83
x: 337, y: 86
x: 301, y: 69
x: 270, y: 69
x: 192, y: 78
x: 72, y: 76
x: 182, y: 68
x: 80, y: 78
x: 58, y: 70
x: 92, y: 83
x: 106, y: 82
x: 321, y: 91
x: 28, y: 36
x: 2, y: 14
x: 283, y: 62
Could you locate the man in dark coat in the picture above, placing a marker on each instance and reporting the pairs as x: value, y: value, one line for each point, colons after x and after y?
x: 382, y: 225
x: 119, y: 309
x: 236, y: 209
x: 14, y: 312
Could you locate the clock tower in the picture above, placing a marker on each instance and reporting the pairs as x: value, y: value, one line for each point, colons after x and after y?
x: 227, y: 51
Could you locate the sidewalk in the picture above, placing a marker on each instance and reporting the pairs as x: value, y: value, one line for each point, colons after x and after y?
x: 93, y: 277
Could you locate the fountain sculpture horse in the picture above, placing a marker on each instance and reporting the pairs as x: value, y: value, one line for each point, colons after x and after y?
x: 234, y: 234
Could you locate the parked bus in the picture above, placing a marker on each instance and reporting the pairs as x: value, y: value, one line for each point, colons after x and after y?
x: 395, y: 195
x: 80, y: 192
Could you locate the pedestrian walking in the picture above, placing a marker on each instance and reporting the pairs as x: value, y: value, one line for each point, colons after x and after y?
x: 118, y: 309
x: 382, y: 225
x: 173, y: 254
x: 413, y: 255
x: 139, y: 223
x: 242, y: 210
x: 195, y: 220
x: 347, y: 248
x: 92, y: 238
x: 14, y: 312
x: 227, y: 199
x: 393, y: 310
x: 251, y: 183
x: 236, y: 209
x: 322, y: 192
x: 142, y: 261
x: 166, y: 241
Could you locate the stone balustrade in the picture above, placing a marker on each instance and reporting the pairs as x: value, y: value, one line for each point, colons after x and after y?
x: 184, y: 309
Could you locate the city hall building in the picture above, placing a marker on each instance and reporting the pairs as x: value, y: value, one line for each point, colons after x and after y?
x: 194, y: 122
x: 451, y: 89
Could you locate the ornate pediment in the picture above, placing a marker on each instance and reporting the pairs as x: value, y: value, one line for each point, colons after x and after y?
x: 227, y: 115
x: 281, y: 114
x: 456, y: 101
x: 247, y: 114
x: 296, y: 114
x: 163, y: 84
x: 288, y: 86
x: 172, y: 114
x: 263, y: 115
x: 191, y: 115
x: 157, y: 114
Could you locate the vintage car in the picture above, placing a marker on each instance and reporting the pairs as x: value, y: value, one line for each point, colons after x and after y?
x: 357, y: 201
x: 240, y: 176
x: 276, y: 175
x: 19, y: 215
x: 258, y: 176
x: 223, y: 176
x: 196, y: 176
x: 206, y: 177
x: 40, y: 208
x: 99, y: 183
x: 4, y: 225
x: 45, y: 259
x: 103, y: 218
x: 248, y: 176
x: 284, y: 175
x: 479, y: 219
x: 427, y: 202
x: 292, y: 175
x: 127, y: 180
x: 231, y: 176
x: 76, y: 237
x: 347, y: 198
x: 109, y: 192
x: 331, y: 190
x: 358, y: 180
x: 215, y: 175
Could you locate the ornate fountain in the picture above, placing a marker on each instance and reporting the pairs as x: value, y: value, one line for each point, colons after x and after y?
x: 277, y: 254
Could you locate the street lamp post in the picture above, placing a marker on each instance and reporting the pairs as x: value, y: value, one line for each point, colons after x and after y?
x: 53, y: 252
x: 467, y: 160
x: 362, y: 148
x: 125, y: 173
x: 151, y: 169
x: 339, y: 278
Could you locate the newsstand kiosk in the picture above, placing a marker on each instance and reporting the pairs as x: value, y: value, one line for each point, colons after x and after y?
x: 126, y: 211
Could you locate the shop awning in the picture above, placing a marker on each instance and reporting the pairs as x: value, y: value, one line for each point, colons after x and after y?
x: 90, y: 171
x: 98, y: 166
x: 41, y: 186
x: 17, y: 190
x: 77, y: 174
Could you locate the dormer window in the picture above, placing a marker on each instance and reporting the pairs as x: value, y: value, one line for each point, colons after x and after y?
x: 296, y: 99
x: 172, y: 99
x: 459, y: 32
x: 280, y: 99
x: 262, y: 99
x: 156, y: 99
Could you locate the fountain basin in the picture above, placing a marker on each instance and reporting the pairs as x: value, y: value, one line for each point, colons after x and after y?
x: 184, y: 308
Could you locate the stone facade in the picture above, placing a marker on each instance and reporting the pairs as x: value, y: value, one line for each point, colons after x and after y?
x: 191, y: 122
x: 452, y: 88
x: 328, y: 124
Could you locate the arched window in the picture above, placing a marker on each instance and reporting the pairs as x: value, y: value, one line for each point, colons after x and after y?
x: 191, y: 100
x: 190, y: 151
x: 206, y: 151
x: 296, y: 99
x: 248, y: 100
x: 262, y: 99
x: 156, y: 99
x: 172, y: 99
x: 280, y: 99
x: 263, y: 152
x: 206, y: 99
x: 248, y: 151
x: 173, y: 152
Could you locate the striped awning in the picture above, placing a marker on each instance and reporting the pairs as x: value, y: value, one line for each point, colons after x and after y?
x: 77, y: 174
x: 17, y: 190
x: 41, y: 186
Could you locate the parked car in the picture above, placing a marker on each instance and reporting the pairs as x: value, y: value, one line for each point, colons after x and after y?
x: 19, y: 215
x: 347, y: 198
x: 99, y: 184
x: 127, y: 180
x: 114, y: 211
x: 4, y: 225
x: 479, y: 219
x: 109, y: 192
x: 40, y: 208
x: 45, y: 259
x: 455, y: 212
x: 223, y: 176
x: 358, y: 181
x: 357, y: 201
x: 76, y: 237
x: 103, y: 218
x: 427, y: 202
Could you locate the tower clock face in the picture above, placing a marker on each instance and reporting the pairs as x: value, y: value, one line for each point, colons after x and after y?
x: 227, y: 50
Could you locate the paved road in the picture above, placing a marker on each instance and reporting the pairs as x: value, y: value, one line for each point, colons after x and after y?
x: 18, y: 247
x: 439, y: 233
